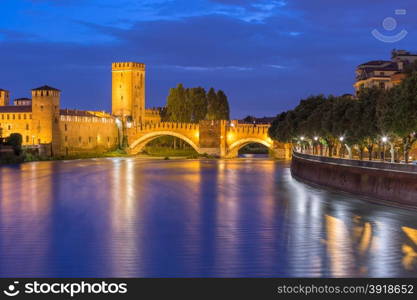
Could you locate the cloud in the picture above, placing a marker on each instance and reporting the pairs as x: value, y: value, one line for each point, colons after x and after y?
x: 265, y: 65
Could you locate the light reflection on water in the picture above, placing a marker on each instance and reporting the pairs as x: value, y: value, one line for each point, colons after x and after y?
x: 128, y: 217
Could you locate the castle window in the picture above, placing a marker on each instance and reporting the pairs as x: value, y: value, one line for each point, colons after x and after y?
x: 30, y: 116
x: 79, y: 139
x: 8, y: 116
x: 108, y: 139
x: 66, y: 127
x: 89, y: 139
x: 9, y: 127
x: 19, y: 116
x: 41, y: 107
x: 39, y: 141
x: 121, y: 97
x: 14, y: 117
x: 24, y: 116
x: 66, y: 138
x: 27, y: 126
x: 27, y: 139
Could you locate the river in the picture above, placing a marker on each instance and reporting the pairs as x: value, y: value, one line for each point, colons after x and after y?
x: 135, y: 217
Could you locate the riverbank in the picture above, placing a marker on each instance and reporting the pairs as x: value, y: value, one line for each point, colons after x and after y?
x: 393, y: 184
x: 168, y: 154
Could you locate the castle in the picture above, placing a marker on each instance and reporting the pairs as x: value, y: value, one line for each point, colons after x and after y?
x: 44, y: 125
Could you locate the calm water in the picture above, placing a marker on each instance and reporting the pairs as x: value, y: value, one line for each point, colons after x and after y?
x: 129, y: 217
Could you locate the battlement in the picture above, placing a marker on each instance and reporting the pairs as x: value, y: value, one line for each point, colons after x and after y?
x: 166, y: 125
x: 153, y: 111
x: 250, y: 129
x: 123, y: 66
x: 45, y: 91
x: 85, y: 119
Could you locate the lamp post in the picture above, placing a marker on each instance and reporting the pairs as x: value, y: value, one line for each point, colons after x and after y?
x: 341, y: 139
x: 384, y: 141
x: 302, y: 145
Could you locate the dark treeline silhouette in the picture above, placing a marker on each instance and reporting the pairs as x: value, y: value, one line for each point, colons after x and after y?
x: 371, y: 122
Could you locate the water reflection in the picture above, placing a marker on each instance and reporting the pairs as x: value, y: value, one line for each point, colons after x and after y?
x: 245, y: 217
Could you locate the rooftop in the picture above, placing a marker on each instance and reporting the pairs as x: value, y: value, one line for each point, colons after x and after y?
x: 75, y: 112
x: 15, y: 109
x: 45, y: 88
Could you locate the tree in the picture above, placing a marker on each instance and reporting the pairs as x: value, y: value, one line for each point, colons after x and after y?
x: 283, y: 127
x: 15, y: 140
x: 178, y: 109
x: 404, y: 112
x: 223, y: 110
x: 368, y: 123
x: 197, y: 100
x: 212, y: 105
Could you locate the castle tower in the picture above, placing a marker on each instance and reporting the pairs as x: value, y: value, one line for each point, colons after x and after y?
x: 128, y: 91
x: 4, y: 98
x: 45, y: 116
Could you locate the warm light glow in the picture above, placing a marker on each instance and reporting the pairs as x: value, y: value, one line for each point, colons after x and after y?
x: 316, y: 138
x: 384, y: 139
x: 341, y: 138
x: 302, y: 138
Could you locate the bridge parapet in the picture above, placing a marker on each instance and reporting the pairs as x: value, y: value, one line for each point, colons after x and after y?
x: 166, y: 125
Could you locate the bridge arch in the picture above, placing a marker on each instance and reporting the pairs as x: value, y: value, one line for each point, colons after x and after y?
x: 235, y: 146
x: 141, y: 142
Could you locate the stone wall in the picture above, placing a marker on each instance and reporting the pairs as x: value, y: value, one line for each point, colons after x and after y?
x: 17, y: 123
x: 86, y: 135
x: 389, y: 184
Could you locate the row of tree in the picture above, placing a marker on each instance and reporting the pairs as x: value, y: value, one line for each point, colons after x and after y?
x: 373, y: 119
x: 195, y: 104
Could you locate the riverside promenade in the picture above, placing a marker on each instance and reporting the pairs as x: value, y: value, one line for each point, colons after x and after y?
x: 392, y: 183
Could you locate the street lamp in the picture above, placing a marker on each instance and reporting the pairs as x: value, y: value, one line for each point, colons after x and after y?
x: 384, y: 141
x: 341, y: 139
x: 316, y: 138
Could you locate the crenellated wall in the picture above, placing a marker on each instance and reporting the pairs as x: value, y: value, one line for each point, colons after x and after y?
x: 86, y: 135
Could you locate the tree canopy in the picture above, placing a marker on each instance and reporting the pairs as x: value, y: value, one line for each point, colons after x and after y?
x: 194, y: 105
x: 360, y: 122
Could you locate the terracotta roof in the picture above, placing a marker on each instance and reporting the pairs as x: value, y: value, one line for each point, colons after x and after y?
x: 15, y: 108
x: 376, y: 62
x: 46, y: 88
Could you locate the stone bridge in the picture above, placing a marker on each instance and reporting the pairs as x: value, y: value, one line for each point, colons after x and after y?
x: 219, y: 138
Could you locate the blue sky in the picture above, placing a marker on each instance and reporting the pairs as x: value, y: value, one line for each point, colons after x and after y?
x: 266, y: 55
